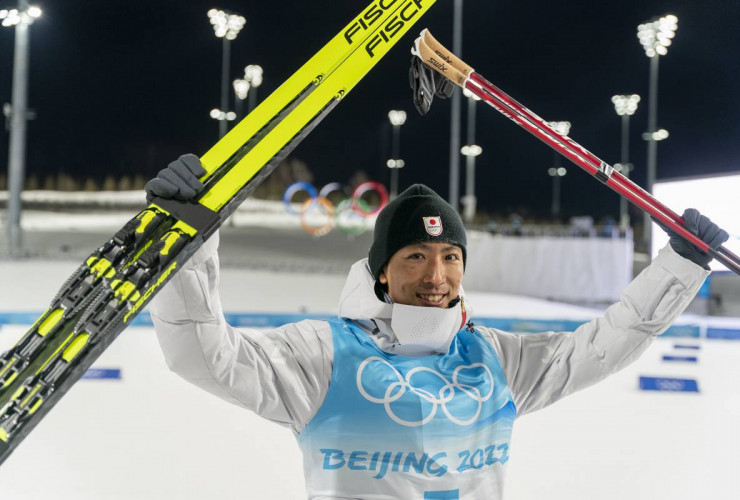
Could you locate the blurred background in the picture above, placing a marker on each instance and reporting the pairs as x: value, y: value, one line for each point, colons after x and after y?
x: 97, y: 97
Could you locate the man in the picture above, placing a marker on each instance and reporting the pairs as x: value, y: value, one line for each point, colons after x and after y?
x: 401, y: 396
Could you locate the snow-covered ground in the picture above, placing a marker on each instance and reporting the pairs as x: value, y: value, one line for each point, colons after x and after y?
x: 150, y: 435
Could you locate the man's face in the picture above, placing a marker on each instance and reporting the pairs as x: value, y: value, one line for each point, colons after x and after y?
x: 425, y: 274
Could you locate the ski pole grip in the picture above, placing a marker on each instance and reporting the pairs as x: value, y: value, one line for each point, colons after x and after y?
x: 442, y: 52
x: 438, y: 64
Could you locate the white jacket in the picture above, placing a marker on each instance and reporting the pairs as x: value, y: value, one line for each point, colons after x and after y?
x: 283, y: 374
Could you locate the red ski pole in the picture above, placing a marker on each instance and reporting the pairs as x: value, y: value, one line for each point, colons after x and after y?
x: 442, y: 60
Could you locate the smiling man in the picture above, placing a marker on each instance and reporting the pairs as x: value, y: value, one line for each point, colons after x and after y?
x: 425, y: 274
x: 401, y: 396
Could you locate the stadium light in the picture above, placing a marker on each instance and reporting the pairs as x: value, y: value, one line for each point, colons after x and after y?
x: 655, y: 36
x: 241, y: 89
x: 561, y: 127
x: 223, y: 116
x: 556, y: 171
x: 253, y: 74
x: 397, y: 118
x: 660, y: 134
x: 656, y: 136
x: 471, y: 150
x: 226, y: 26
x: 18, y: 115
x: 625, y: 106
x: 14, y: 17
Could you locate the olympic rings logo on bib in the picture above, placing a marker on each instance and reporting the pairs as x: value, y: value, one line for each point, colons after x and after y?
x: 319, y: 215
x: 440, y: 394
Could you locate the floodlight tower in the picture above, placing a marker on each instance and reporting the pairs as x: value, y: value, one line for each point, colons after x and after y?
x: 471, y: 150
x: 241, y: 90
x: 253, y: 75
x: 397, y: 118
x: 222, y: 116
x: 557, y: 171
x: 21, y: 18
x: 226, y: 26
x: 625, y: 106
x: 655, y: 37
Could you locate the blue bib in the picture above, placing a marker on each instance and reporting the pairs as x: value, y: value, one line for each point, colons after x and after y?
x: 433, y: 427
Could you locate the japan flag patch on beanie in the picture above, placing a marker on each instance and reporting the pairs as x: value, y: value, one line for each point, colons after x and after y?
x: 433, y: 225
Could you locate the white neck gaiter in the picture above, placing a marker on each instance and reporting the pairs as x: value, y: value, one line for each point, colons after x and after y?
x: 427, y: 328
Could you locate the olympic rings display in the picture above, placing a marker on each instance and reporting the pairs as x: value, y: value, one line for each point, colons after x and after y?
x: 294, y: 188
x: 332, y: 187
x: 350, y: 221
x: 320, y: 229
x: 319, y: 215
x: 367, y: 187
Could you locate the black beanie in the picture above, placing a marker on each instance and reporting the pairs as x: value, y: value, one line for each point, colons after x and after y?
x: 417, y: 215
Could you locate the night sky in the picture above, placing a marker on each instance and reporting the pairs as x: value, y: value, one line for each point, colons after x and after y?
x: 123, y: 86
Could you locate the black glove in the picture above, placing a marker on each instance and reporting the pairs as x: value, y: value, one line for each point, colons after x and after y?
x: 426, y: 83
x: 179, y: 180
x: 707, y: 231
